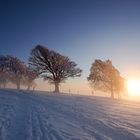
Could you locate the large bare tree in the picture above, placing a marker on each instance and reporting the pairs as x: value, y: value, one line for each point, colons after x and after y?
x: 104, y: 76
x: 53, y: 66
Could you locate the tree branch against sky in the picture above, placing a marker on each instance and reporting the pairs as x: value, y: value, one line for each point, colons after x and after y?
x: 53, y: 66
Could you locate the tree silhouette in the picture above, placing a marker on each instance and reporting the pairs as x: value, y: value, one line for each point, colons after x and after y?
x: 17, y: 70
x: 30, y: 76
x: 11, y: 69
x: 53, y: 66
x: 104, y: 76
x: 4, y: 78
x: 4, y: 73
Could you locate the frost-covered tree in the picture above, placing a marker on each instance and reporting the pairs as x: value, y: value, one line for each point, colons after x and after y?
x: 4, y: 78
x: 104, y: 76
x: 53, y: 66
x: 17, y: 70
x: 30, y: 76
x: 4, y: 75
x: 4, y: 61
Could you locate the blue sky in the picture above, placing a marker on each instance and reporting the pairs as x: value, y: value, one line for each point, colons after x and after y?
x: 84, y: 30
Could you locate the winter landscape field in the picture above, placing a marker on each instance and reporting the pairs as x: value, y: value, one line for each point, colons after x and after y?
x: 69, y: 69
x: 46, y: 116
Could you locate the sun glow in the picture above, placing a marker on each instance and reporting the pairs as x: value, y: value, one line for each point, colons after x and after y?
x: 133, y: 87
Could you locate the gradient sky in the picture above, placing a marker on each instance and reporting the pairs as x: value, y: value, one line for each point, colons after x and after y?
x: 84, y: 30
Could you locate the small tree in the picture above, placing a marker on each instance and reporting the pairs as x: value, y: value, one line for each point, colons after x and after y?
x: 120, y: 86
x: 4, y: 78
x: 17, y: 70
x: 53, y: 66
x: 4, y: 75
x: 104, y: 76
x: 30, y: 76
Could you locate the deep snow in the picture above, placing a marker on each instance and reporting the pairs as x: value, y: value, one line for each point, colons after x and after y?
x: 38, y: 116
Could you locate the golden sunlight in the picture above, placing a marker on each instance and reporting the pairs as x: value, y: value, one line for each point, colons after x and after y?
x: 133, y: 87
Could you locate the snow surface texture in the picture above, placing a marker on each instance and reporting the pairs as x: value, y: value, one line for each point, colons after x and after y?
x: 27, y: 116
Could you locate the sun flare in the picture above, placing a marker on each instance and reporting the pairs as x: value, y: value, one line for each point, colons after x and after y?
x: 133, y: 87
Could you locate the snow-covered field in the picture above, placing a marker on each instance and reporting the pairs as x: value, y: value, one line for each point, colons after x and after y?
x: 27, y: 116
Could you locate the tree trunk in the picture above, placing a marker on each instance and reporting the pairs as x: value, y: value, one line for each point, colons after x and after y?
x: 29, y: 85
x: 111, y: 89
x: 56, y: 87
x: 4, y: 85
x: 18, y: 85
x: 118, y: 95
x: 112, y: 93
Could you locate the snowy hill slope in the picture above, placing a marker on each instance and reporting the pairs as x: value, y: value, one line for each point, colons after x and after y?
x: 26, y: 116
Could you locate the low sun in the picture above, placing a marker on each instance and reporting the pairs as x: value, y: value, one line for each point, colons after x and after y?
x: 133, y: 87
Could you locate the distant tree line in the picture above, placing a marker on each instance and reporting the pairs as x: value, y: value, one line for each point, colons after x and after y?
x: 43, y: 63
x: 14, y: 70
x: 57, y: 68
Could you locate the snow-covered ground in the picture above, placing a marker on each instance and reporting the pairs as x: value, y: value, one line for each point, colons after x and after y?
x: 38, y: 116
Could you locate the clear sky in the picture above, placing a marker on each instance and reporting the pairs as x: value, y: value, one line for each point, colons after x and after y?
x: 84, y: 30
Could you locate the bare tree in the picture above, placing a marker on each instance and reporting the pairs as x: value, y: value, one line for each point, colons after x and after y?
x: 30, y: 76
x: 53, y: 66
x: 17, y: 70
x: 4, y: 78
x: 4, y: 75
x: 104, y: 76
